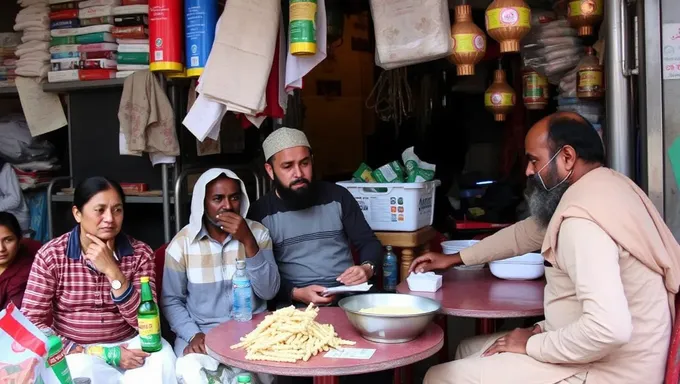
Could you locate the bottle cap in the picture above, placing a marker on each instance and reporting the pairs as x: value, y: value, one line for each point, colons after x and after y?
x: 144, y: 279
x: 389, y: 247
x: 243, y: 378
x: 240, y: 264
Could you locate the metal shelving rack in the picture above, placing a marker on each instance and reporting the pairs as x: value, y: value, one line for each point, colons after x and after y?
x: 166, y: 198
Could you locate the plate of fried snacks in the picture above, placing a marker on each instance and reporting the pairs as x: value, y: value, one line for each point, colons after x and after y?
x: 289, y: 335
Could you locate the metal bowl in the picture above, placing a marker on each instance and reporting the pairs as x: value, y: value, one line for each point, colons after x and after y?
x: 389, y: 329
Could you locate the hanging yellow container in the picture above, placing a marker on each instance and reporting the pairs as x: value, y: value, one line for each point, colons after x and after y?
x: 585, y: 15
x: 302, y: 27
x: 507, y: 22
x: 469, y: 42
x: 499, y: 98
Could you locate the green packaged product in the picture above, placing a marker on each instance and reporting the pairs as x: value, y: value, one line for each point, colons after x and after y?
x: 392, y: 172
x: 133, y: 58
x: 363, y: 174
x: 417, y: 170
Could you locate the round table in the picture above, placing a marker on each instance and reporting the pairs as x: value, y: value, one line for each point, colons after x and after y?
x: 324, y: 370
x: 481, y: 295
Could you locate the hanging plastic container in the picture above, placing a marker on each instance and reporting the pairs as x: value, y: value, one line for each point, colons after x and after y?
x: 507, y: 22
x: 535, y: 90
x: 499, y: 98
x: 302, y: 27
x: 165, y: 35
x: 584, y: 15
x: 469, y: 41
x: 590, y: 77
x: 200, y: 20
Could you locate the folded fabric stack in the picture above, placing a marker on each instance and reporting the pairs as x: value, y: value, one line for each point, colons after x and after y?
x: 33, y: 21
x: 85, y: 49
x: 132, y: 35
x: 8, y: 60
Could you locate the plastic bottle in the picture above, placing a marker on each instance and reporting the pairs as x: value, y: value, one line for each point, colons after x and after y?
x: 148, y: 320
x: 390, y: 273
x: 590, y: 80
x: 56, y: 357
x: 241, y: 293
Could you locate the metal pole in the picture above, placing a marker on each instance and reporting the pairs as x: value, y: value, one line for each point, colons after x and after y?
x: 166, y: 202
x: 619, y: 138
x: 651, y: 101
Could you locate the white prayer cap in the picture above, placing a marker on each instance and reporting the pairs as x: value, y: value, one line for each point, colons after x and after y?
x: 283, y: 138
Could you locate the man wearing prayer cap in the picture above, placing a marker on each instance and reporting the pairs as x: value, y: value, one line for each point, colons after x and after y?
x: 313, y: 225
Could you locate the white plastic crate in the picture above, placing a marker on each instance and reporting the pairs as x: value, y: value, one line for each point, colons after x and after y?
x: 399, y: 207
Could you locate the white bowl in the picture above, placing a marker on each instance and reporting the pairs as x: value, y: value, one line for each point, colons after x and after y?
x: 454, y: 246
x: 525, y: 267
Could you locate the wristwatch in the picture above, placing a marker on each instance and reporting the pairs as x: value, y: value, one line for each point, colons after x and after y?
x: 116, y: 285
x: 370, y: 265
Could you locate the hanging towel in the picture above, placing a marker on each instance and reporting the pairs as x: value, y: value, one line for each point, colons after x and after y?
x: 276, y: 98
x: 299, y: 66
x: 240, y: 61
x: 147, y: 120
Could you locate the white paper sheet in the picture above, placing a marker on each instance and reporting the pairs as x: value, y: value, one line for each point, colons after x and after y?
x: 347, y: 288
x: 350, y: 353
x: 43, y: 111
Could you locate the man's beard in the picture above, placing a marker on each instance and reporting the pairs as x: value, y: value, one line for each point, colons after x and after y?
x: 298, y: 198
x: 543, y: 203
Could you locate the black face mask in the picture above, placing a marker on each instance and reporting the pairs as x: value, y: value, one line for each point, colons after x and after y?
x: 543, y: 202
x: 299, y: 198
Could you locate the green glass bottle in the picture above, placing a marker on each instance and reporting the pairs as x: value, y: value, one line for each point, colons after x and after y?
x: 56, y: 358
x: 148, y: 320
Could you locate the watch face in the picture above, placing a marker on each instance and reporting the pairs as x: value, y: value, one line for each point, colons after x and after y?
x: 115, y: 284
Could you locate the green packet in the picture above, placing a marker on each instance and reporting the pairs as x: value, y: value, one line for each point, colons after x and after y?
x: 416, y: 169
x: 391, y: 172
x: 363, y: 174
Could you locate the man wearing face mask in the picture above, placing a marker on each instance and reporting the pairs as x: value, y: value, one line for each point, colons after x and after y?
x: 201, y: 260
x: 312, y: 224
x: 612, y: 272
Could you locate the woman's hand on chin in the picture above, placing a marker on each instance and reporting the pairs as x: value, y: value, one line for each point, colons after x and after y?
x: 100, y: 254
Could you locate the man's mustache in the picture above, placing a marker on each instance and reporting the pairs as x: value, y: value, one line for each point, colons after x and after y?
x: 300, y: 181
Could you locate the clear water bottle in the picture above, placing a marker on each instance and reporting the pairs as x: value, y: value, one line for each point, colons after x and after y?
x: 241, y: 293
x: 390, y: 272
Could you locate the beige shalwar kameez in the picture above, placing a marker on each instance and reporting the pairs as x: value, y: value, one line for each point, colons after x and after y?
x: 609, y: 297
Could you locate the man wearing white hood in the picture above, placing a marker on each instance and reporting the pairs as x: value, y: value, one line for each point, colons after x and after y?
x: 201, y: 260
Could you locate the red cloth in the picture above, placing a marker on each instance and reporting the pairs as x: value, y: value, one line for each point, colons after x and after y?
x: 13, y: 280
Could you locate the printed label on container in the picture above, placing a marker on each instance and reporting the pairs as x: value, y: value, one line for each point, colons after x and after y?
x: 585, y: 8
x: 468, y: 42
x: 534, y: 87
x: 200, y: 21
x: 149, y: 330
x: 589, y: 81
x: 508, y: 17
x: 302, y: 21
x: 499, y: 99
